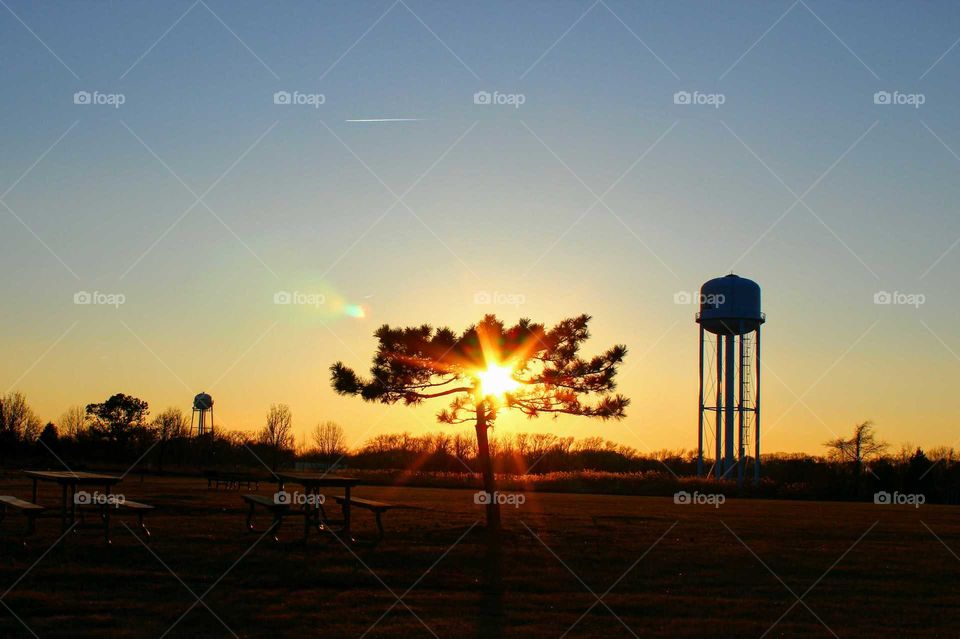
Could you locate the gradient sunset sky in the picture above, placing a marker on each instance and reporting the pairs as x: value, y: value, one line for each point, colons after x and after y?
x: 199, y: 200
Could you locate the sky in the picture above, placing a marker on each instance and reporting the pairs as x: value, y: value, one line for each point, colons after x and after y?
x: 187, y: 167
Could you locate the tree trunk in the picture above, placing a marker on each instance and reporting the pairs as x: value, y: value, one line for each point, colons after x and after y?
x: 486, y: 467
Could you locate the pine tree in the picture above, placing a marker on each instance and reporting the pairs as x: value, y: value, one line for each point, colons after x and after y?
x: 487, y: 369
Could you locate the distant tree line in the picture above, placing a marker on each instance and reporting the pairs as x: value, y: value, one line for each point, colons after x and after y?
x: 120, y: 433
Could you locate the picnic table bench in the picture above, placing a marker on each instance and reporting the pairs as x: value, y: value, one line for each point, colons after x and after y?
x: 29, y: 509
x: 74, y: 502
x: 126, y: 506
x: 279, y: 510
x: 376, y: 507
x: 70, y: 482
x: 232, y: 479
x: 314, y: 514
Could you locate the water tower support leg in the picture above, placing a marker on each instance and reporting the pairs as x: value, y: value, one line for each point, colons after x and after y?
x: 740, y: 413
x: 718, y: 463
x: 700, y: 413
x: 756, y: 415
x: 728, y: 408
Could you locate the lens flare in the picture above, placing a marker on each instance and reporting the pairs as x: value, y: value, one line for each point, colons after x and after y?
x: 355, y: 310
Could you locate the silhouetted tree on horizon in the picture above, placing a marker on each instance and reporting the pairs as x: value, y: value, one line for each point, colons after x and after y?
x: 171, y: 424
x: 277, y: 433
x: 329, y: 439
x: 415, y: 364
x: 18, y: 422
x: 118, y: 419
x: 860, y: 447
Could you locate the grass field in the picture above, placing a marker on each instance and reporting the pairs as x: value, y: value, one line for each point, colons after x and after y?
x: 659, y: 570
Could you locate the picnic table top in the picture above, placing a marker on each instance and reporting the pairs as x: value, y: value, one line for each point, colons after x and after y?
x: 243, y: 475
x: 72, y: 477
x: 318, y: 479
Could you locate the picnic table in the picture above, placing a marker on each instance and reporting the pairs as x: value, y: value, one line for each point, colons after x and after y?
x: 312, y: 483
x: 69, y: 482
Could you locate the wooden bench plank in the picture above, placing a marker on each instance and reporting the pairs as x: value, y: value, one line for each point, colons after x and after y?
x: 376, y: 507
x: 266, y: 502
x: 29, y: 509
x: 368, y: 504
x: 19, y: 504
x: 136, y: 505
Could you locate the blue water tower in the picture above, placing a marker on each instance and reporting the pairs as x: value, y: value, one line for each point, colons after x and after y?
x: 730, y: 319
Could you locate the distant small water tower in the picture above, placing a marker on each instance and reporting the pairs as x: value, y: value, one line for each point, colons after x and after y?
x: 730, y: 320
x: 202, y: 409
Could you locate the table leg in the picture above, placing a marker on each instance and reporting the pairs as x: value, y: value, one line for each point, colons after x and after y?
x: 63, y: 509
x: 346, y: 512
x: 106, y: 517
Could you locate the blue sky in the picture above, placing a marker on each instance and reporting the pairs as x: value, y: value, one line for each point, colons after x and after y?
x: 501, y: 199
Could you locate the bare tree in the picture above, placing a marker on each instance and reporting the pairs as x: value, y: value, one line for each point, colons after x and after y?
x: 859, y: 448
x: 73, y: 422
x: 463, y: 446
x: 329, y: 439
x: 170, y: 424
x: 17, y: 419
x: 278, y: 431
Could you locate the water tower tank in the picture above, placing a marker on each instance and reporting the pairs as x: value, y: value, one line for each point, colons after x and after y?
x: 730, y: 305
x: 202, y: 401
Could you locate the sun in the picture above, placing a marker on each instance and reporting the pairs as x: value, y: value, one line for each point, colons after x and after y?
x: 497, y: 380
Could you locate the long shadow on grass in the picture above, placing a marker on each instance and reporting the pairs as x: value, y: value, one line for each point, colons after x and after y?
x: 490, y: 619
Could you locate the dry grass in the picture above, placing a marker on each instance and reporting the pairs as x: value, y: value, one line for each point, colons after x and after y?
x: 699, y: 579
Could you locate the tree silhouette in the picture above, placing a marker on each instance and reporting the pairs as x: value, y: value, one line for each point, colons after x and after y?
x: 169, y: 425
x: 862, y: 446
x: 118, y: 418
x: 277, y: 433
x: 329, y: 439
x: 540, y: 371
